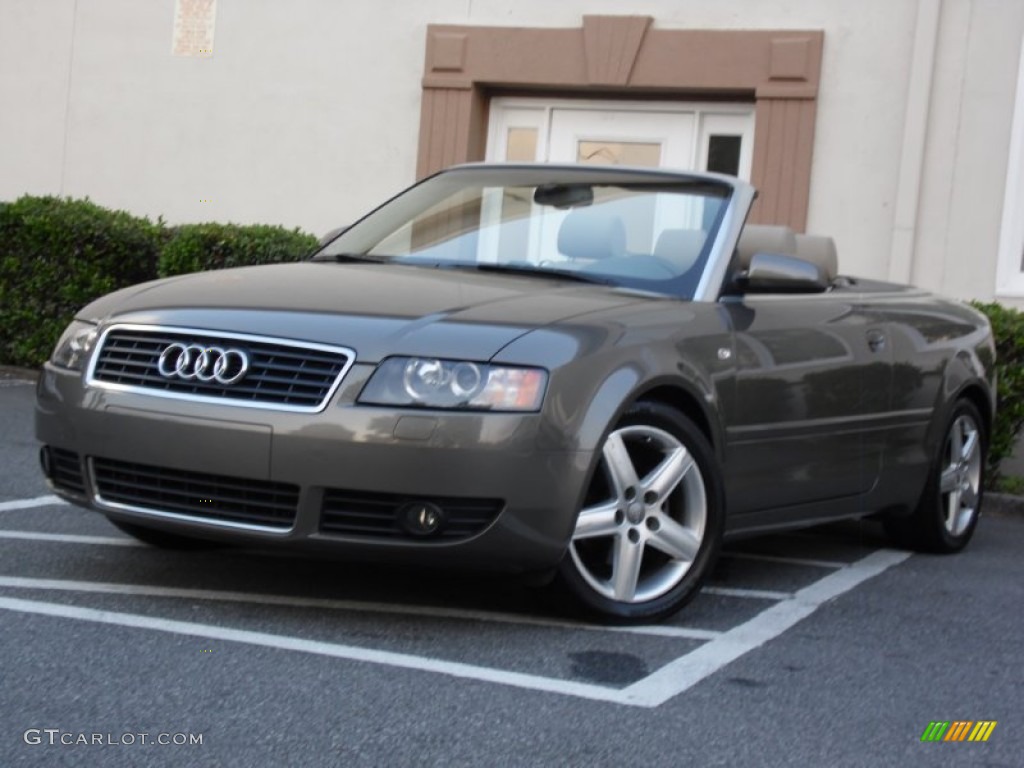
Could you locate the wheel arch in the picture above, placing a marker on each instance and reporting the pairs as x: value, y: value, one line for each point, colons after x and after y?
x: 963, y: 379
x: 687, y: 403
x: 978, y: 396
x: 625, y: 387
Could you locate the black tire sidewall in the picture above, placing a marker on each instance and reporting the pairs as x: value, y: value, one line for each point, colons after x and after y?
x: 929, y: 517
x: 672, y: 421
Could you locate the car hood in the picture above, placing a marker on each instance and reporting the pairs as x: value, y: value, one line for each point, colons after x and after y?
x: 376, y: 309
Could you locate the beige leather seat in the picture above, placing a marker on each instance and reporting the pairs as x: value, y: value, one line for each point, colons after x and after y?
x: 680, y: 247
x: 588, y: 234
x: 820, y: 250
x: 764, y: 238
x: 761, y: 238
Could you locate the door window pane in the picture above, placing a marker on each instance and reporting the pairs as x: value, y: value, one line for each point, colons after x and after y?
x: 724, y: 154
x: 646, y: 154
x: 521, y: 145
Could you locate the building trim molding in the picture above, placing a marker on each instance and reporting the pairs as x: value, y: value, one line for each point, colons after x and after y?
x: 628, y: 57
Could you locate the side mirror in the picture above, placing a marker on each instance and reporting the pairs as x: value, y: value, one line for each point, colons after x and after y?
x: 779, y: 273
x: 331, y: 235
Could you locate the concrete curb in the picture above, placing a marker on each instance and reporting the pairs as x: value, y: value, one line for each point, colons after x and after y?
x: 1003, y: 504
x: 11, y: 372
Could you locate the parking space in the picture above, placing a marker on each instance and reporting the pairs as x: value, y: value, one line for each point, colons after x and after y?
x: 409, y: 666
x: 76, y: 566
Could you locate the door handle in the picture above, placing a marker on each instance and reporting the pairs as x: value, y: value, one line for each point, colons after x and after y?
x: 876, y: 340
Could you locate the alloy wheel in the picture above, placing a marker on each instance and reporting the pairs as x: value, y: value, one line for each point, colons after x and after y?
x: 960, y: 479
x: 644, y: 519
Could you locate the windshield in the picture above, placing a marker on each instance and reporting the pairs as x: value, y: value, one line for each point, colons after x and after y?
x: 635, y: 230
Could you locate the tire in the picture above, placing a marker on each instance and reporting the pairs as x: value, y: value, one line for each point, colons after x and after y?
x: 163, y: 539
x: 651, y: 521
x: 948, y: 510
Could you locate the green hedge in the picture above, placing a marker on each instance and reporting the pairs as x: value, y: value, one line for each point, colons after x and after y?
x: 199, y: 247
x: 1008, y: 330
x: 57, y: 255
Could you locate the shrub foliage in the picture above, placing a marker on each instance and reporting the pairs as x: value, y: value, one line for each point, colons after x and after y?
x: 57, y: 255
x: 1008, y: 330
x: 197, y: 247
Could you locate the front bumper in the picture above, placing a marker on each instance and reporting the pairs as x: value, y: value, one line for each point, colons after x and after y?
x: 196, y: 468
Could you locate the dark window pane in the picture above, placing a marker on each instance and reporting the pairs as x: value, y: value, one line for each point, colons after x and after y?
x: 724, y: 154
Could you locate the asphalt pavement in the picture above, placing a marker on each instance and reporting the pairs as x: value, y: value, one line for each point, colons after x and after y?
x: 820, y: 648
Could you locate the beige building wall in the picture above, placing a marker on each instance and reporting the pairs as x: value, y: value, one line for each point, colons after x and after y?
x: 967, y: 146
x: 308, y: 112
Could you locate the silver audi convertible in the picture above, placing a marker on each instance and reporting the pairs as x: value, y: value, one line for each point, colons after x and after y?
x: 590, y: 373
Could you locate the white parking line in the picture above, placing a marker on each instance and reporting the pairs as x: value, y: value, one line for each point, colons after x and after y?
x: 145, y: 590
x: 663, y: 631
x: 784, y: 560
x: 652, y: 691
x: 282, y: 642
x: 697, y: 634
x: 686, y: 671
x: 752, y: 594
x: 39, y: 501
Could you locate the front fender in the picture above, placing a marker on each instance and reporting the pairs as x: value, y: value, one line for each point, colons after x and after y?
x: 631, y: 383
x: 679, y: 353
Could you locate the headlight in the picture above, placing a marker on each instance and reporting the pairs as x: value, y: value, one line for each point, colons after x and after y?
x: 74, y: 345
x: 430, y: 383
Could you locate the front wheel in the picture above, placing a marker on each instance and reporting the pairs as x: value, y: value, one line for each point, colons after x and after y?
x: 651, y: 520
x: 948, y: 510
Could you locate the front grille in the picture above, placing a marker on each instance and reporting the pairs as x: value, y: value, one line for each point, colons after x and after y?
x: 196, y: 494
x: 286, y: 375
x: 356, y: 513
x: 66, y: 470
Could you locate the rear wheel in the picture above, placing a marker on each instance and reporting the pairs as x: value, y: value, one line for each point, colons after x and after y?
x: 163, y: 539
x: 948, y: 510
x: 651, y: 521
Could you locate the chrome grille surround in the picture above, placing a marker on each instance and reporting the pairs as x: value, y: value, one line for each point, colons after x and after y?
x: 285, y: 375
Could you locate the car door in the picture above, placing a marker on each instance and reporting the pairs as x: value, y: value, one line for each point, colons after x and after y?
x: 813, y: 381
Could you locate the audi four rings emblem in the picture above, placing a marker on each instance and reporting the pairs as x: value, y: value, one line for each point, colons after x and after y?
x: 206, y: 364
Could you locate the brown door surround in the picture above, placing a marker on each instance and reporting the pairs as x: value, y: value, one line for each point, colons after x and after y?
x: 626, y: 57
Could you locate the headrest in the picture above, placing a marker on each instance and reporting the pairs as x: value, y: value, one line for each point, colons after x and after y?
x: 763, y: 238
x: 819, y: 250
x: 680, y: 247
x: 591, y: 234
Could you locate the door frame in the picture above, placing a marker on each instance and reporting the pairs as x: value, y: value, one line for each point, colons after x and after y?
x: 704, y: 112
x: 625, y: 57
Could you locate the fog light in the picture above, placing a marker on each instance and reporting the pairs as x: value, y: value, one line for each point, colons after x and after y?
x: 421, y: 518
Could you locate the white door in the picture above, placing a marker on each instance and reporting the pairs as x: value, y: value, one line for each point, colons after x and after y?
x: 618, y: 137
x: 715, y: 137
